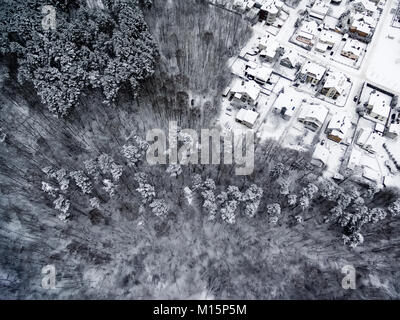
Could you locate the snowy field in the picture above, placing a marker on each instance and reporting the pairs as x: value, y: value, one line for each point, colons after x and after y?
x: 384, y: 62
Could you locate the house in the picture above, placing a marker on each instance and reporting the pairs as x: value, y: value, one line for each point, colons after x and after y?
x: 321, y: 47
x: 260, y: 75
x: 365, y: 6
x: 354, y: 158
x: 393, y: 131
x: 286, y: 105
x: 368, y: 140
x: 319, y: 10
x: 245, y: 93
x: 334, y: 85
x: 338, y: 127
x: 352, y: 49
x: 312, y: 72
x: 361, y: 28
x: 313, y: 116
x: 268, y: 46
x: 247, y: 117
x: 320, y: 156
x: 308, y: 32
x: 269, y: 11
x: 379, y: 128
x: 328, y: 38
x: 290, y: 59
x: 378, y: 106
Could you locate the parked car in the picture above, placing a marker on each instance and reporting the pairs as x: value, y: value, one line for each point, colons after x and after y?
x: 355, y: 98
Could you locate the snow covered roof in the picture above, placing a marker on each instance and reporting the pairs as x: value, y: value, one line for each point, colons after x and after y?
x: 314, y: 69
x: 322, y: 47
x: 394, y: 128
x: 319, y: 9
x: 262, y: 73
x: 321, y: 153
x: 367, y: 19
x: 309, y: 27
x: 379, y: 127
x: 353, y: 46
x: 293, y: 57
x: 247, y: 116
x: 379, y: 105
x: 368, y: 5
x: 361, y: 26
x: 313, y: 112
x: 371, y: 174
x: 354, y: 158
x: 340, y: 122
x: 327, y: 37
x: 336, y: 80
x: 249, y: 88
x: 269, y: 45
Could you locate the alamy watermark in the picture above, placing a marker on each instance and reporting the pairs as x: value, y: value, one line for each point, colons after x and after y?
x: 49, y: 280
x: 349, y: 281
x: 49, y: 20
x: 185, y: 147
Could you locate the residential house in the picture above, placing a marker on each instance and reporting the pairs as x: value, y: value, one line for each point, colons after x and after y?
x: 368, y: 140
x: 321, y: 47
x: 245, y: 93
x: 286, y: 105
x: 319, y: 10
x: 378, y: 106
x: 354, y: 158
x: 361, y: 28
x: 260, y: 75
x: 270, y: 10
x: 338, y: 127
x: 289, y: 59
x: 393, y: 131
x: 352, y: 49
x: 308, y: 32
x: 247, y: 117
x: 334, y: 85
x: 320, y: 156
x: 313, y: 116
x: 268, y: 46
x: 365, y: 6
x: 328, y: 38
x: 312, y: 72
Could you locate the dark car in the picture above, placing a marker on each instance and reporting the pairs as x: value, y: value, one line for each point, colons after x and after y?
x: 355, y: 98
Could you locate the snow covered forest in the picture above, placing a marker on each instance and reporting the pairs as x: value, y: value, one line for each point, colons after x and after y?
x: 77, y: 192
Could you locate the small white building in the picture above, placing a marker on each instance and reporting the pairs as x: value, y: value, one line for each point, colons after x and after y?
x: 352, y: 49
x: 245, y: 93
x: 320, y: 156
x: 338, y: 127
x: 368, y: 140
x: 364, y: 6
x: 319, y: 10
x: 328, y: 38
x: 313, y: 116
x: 378, y: 106
x: 354, y: 159
x: 247, y: 117
x: 268, y: 46
x: 334, y: 85
x: 290, y: 59
x: 270, y: 10
x: 393, y: 131
x: 312, y: 72
x: 260, y: 75
x: 286, y: 105
x: 308, y: 32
